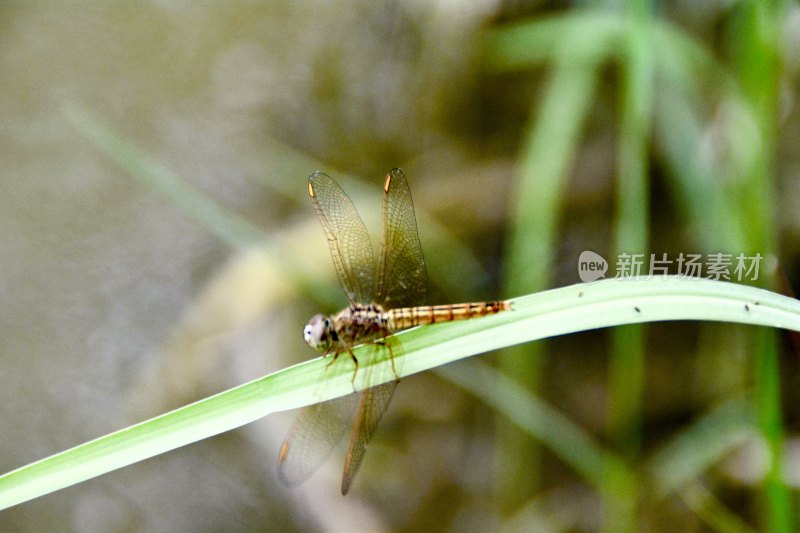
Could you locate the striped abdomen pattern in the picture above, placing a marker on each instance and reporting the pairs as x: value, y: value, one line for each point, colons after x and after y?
x: 409, y: 317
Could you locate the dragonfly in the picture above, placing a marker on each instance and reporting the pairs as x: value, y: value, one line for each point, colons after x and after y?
x: 384, y: 298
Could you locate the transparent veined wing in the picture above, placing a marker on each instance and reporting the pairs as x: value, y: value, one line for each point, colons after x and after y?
x: 402, y: 278
x: 348, y: 239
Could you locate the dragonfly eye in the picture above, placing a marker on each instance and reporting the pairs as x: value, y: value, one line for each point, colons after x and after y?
x: 317, y: 333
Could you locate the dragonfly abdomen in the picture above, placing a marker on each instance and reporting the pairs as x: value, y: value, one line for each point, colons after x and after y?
x: 409, y: 317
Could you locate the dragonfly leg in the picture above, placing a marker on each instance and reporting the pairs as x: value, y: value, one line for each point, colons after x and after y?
x: 335, y: 355
x: 388, y: 345
x: 355, y: 361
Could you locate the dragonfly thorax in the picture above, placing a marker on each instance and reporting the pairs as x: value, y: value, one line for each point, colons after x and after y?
x: 353, y: 325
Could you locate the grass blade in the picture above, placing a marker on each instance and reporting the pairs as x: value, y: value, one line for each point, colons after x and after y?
x: 556, y: 312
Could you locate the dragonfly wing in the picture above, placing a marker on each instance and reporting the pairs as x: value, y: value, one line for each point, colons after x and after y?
x: 371, y: 406
x: 312, y: 437
x: 402, y: 278
x: 347, y: 236
x: 402, y: 281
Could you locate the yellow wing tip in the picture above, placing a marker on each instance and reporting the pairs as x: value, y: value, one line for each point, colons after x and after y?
x: 394, y: 173
x: 284, y: 451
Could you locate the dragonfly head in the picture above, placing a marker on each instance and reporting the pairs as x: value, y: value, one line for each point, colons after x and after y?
x: 318, y: 333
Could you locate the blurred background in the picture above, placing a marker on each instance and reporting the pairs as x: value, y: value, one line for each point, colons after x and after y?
x: 157, y: 246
